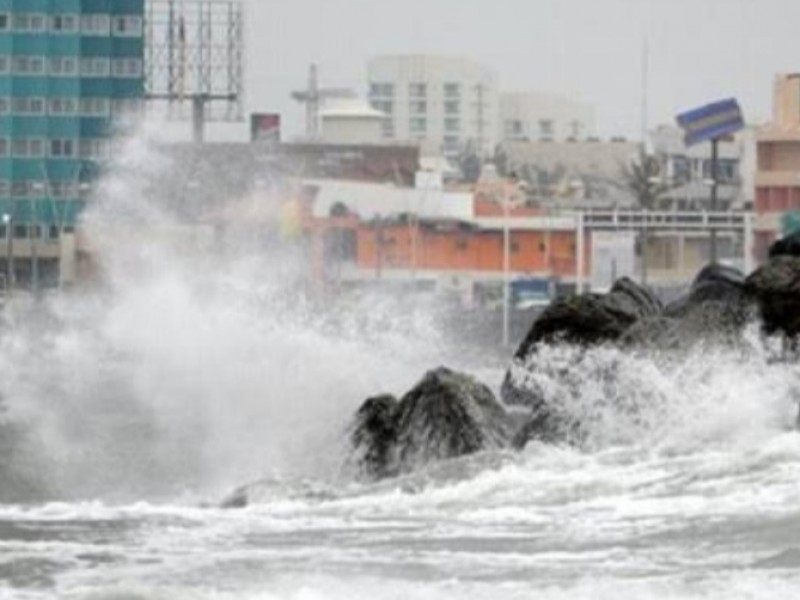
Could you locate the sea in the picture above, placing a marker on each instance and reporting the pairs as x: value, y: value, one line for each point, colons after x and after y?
x: 133, y: 407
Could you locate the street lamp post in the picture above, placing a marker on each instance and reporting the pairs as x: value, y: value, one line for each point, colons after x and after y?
x: 8, y: 220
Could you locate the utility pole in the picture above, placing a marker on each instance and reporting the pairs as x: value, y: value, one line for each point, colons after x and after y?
x: 713, y: 232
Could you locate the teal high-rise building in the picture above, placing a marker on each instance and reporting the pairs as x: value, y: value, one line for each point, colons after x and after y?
x: 67, y: 69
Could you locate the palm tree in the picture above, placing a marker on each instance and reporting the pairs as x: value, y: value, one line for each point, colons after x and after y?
x: 642, y: 178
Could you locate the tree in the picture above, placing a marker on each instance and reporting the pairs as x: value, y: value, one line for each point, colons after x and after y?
x: 470, y: 163
x: 642, y: 178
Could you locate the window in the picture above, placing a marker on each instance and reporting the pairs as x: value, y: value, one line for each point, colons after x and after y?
x: 451, y: 124
x: 128, y: 26
x: 27, y: 106
x: 24, y: 148
x: 417, y: 90
x: 91, y: 148
x: 62, y: 148
x: 94, y: 107
x: 63, y: 189
x: 452, y: 90
x: 29, y: 22
x: 22, y: 22
x: 5, y: 188
x: 3, y: 146
x: 38, y: 23
x: 127, y: 67
x: 63, y: 65
x: 28, y: 65
x: 96, y: 24
x: 452, y: 107
x: 546, y: 129
x: 5, y: 105
x: 63, y: 106
x: 513, y: 127
x: 4, y: 63
x: 385, y: 106
x: 418, y: 125
x: 418, y: 107
x: 3, y: 21
x: 381, y: 89
x: 64, y: 23
x: 95, y: 67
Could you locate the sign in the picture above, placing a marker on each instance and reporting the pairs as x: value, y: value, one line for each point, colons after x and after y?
x: 711, y: 121
x: 265, y: 127
x: 613, y: 256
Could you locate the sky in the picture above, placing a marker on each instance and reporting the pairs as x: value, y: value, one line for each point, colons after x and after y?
x: 698, y: 51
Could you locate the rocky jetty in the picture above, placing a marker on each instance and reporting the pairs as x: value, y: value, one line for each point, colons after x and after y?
x: 449, y: 414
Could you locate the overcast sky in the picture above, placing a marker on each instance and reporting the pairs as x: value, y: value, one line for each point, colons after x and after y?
x: 591, y: 50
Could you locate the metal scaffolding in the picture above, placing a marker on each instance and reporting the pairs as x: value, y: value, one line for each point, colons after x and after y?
x: 194, y: 57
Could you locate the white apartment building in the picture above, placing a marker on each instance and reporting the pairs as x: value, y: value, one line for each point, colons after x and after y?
x: 445, y: 103
x: 542, y: 117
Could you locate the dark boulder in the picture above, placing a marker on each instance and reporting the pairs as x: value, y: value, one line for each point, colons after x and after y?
x: 716, y: 307
x: 447, y: 414
x: 589, y: 319
x: 583, y: 320
x: 715, y: 286
x: 786, y: 246
x: 775, y: 286
x: 374, y: 433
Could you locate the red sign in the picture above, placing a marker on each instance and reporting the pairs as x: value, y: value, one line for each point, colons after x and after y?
x: 265, y: 127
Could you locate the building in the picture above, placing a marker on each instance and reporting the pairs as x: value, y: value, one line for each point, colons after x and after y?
x: 687, y: 170
x: 541, y: 117
x: 351, y: 122
x: 571, y: 175
x: 66, y: 68
x: 448, y: 104
x: 777, y: 182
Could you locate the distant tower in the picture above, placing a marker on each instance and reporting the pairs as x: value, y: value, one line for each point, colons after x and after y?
x: 313, y: 97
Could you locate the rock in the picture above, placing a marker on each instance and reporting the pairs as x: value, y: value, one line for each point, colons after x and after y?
x: 716, y: 307
x: 375, y: 433
x: 775, y: 286
x: 590, y: 319
x: 585, y: 320
x: 544, y: 426
x: 446, y: 415
x: 786, y: 246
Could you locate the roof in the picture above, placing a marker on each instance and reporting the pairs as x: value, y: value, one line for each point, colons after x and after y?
x: 371, y: 200
x: 352, y: 109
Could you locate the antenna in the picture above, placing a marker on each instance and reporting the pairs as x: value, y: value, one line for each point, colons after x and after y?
x: 645, y: 73
x: 313, y: 97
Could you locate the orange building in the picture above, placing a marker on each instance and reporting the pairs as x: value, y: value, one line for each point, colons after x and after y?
x: 458, y: 255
